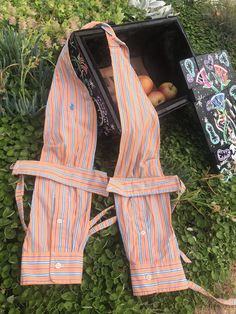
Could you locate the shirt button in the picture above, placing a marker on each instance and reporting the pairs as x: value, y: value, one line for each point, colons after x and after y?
x: 58, y: 265
x: 59, y: 221
x: 143, y: 232
x: 148, y: 277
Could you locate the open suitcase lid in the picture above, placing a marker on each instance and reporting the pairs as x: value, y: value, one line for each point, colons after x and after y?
x: 213, y: 83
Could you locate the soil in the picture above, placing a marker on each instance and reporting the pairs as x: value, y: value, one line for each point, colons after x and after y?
x: 222, y: 309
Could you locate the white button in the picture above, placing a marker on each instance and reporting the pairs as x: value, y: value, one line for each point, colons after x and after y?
x: 143, y: 232
x: 148, y: 277
x: 58, y: 265
x: 59, y: 221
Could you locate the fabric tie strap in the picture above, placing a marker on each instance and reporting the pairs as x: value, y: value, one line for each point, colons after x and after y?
x: 100, y: 215
x: 19, y: 201
x: 144, y: 186
x: 193, y: 286
x: 185, y: 257
x: 88, y: 180
x: 85, y: 179
x: 106, y: 223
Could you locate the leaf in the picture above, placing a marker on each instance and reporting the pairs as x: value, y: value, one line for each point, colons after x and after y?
x: 214, y: 275
x: 220, y: 235
x: 8, y: 212
x: 9, y: 233
x: 68, y: 296
x: 10, y: 152
x: 10, y: 299
x: 68, y: 306
x: 13, y: 259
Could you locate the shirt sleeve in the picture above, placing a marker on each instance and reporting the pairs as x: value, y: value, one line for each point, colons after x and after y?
x: 144, y: 217
x: 59, y: 220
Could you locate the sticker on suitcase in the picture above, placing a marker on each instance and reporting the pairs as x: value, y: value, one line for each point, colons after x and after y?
x: 213, y: 85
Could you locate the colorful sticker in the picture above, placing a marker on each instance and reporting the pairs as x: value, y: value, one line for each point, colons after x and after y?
x: 209, y: 62
x: 227, y: 174
x: 189, y: 66
x: 202, y: 79
x: 232, y: 91
x: 222, y: 74
x: 214, y: 137
x: 233, y: 152
x: 223, y: 154
x: 223, y: 58
x: 218, y: 101
x: 190, y: 78
x: 209, y: 105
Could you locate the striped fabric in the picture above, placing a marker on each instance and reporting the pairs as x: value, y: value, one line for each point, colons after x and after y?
x: 65, y: 180
x: 140, y: 188
x: 88, y: 180
x: 144, y: 186
x: 60, y: 221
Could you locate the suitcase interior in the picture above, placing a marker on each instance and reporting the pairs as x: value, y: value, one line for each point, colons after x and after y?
x: 156, y: 48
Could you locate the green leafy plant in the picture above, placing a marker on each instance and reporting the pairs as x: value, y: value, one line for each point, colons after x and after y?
x: 204, y: 219
x: 56, y: 19
x: 217, y: 18
x: 25, y: 73
x: 223, y: 16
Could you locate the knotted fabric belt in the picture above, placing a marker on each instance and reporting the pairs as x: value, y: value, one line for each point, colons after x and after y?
x: 145, y: 186
x: 85, y: 179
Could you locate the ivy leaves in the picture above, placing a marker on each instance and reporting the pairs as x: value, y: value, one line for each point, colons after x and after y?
x: 204, y: 220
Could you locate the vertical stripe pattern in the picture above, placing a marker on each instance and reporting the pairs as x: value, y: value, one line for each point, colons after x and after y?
x: 140, y: 187
x: 60, y: 210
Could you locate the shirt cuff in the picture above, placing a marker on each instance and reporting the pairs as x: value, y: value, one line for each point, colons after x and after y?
x: 148, y: 279
x: 51, y: 268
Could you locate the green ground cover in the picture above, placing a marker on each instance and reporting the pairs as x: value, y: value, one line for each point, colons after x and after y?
x: 204, y: 220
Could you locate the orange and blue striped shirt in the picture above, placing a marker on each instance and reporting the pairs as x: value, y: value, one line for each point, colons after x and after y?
x: 60, y: 223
